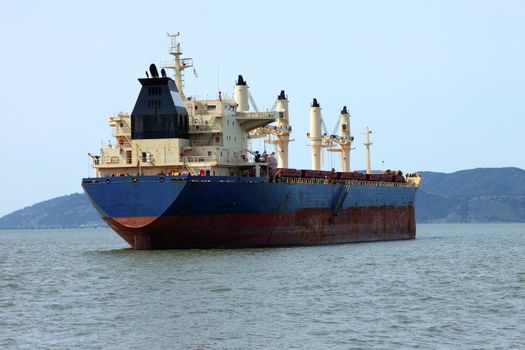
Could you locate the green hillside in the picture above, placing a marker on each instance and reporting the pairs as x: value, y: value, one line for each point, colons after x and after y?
x: 476, y: 182
x: 69, y: 211
x: 475, y: 195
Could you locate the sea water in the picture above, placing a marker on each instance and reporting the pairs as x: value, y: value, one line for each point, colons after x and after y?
x: 454, y: 287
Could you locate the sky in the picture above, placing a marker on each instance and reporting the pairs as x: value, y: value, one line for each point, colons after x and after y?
x: 440, y: 83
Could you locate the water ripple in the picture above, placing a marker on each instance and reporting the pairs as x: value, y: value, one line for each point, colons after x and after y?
x: 456, y: 286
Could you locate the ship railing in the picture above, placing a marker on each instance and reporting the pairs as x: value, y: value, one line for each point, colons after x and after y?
x: 257, y: 114
x: 201, y: 113
x: 111, y: 159
x: 204, y: 128
x: 305, y: 180
x: 107, y: 144
x: 121, y: 131
x: 108, y: 160
x: 198, y: 159
x: 204, y: 143
x: 160, y: 156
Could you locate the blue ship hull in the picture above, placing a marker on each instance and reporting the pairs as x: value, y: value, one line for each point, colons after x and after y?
x: 160, y: 212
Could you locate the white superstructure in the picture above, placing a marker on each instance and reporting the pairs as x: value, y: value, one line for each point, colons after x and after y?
x: 212, y: 134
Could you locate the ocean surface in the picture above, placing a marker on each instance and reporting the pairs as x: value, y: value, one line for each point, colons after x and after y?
x: 454, y: 287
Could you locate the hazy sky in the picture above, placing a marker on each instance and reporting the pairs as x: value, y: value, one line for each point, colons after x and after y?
x: 441, y: 83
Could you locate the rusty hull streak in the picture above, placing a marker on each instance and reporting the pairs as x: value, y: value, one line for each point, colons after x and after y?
x: 302, y: 228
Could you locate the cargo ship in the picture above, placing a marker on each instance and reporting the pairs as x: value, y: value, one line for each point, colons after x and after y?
x: 181, y: 173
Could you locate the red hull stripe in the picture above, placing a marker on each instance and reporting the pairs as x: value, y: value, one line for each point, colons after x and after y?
x: 135, y: 221
x: 305, y: 227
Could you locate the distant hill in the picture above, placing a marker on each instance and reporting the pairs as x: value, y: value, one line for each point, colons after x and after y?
x: 69, y: 211
x: 476, y: 182
x: 476, y: 195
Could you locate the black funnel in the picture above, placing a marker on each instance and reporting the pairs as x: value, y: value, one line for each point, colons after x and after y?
x: 240, y: 80
x: 153, y: 70
x: 281, y: 96
x: 315, y: 103
x: 159, y: 111
x: 344, y: 111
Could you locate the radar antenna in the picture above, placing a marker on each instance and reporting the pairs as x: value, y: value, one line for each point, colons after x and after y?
x: 179, y: 64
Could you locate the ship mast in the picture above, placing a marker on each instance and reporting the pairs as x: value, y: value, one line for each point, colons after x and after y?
x: 179, y: 64
x: 281, y: 131
x: 344, y: 140
x: 315, y: 136
x: 368, y: 144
